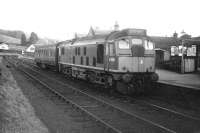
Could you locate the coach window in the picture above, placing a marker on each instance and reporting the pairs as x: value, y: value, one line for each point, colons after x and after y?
x: 100, y: 53
x: 84, y: 51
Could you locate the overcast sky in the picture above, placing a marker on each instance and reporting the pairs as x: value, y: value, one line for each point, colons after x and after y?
x: 60, y: 19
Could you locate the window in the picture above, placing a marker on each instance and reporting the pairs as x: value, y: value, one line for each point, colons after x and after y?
x: 76, y: 51
x: 79, y: 51
x: 112, y: 49
x: 87, y: 60
x: 148, y: 45
x: 84, y: 51
x: 94, y: 61
x: 73, y: 59
x: 100, y: 53
x: 136, y: 41
x: 81, y: 60
x: 124, y: 44
x: 62, y: 51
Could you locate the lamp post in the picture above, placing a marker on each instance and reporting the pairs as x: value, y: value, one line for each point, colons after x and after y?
x: 182, y: 58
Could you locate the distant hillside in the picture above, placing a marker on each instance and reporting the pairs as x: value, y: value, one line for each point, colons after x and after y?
x: 8, y: 39
x: 15, y: 34
x: 15, y: 37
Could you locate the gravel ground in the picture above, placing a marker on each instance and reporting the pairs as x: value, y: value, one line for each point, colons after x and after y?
x: 55, y: 114
x: 16, y: 113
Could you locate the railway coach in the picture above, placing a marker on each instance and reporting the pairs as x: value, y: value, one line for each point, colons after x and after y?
x: 46, y: 56
x: 123, y: 60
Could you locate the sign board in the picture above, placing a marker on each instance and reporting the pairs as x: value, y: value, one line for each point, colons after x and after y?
x: 141, y: 32
x: 191, y: 51
x: 179, y: 50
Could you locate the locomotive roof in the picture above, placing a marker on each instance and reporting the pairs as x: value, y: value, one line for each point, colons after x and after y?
x: 97, y: 38
x: 115, y: 34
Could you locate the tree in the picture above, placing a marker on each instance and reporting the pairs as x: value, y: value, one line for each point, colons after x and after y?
x: 23, y: 39
x: 33, y: 38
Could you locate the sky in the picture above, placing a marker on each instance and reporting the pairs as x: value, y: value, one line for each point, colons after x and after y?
x: 61, y: 19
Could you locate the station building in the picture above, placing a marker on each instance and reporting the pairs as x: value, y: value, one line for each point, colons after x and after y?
x: 178, y: 54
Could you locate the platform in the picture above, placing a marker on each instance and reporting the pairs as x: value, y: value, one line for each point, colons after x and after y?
x: 189, y: 80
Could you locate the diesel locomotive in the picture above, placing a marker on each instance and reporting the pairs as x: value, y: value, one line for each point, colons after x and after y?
x: 122, y: 60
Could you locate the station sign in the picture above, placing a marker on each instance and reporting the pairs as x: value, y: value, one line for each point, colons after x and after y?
x: 132, y: 32
x: 141, y: 32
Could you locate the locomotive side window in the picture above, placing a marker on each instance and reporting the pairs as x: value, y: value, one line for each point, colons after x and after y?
x: 87, y: 60
x: 84, y: 51
x: 100, y: 53
x: 62, y: 51
x: 79, y: 50
x: 73, y: 59
x: 81, y: 60
x: 124, y: 44
x: 94, y: 61
x: 112, y: 49
x: 76, y: 51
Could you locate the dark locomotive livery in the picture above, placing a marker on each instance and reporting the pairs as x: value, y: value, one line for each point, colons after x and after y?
x: 123, y: 60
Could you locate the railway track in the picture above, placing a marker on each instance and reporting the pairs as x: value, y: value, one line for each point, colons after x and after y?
x: 113, y: 117
x: 148, y: 103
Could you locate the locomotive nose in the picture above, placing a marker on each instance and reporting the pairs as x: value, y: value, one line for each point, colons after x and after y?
x: 137, y: 51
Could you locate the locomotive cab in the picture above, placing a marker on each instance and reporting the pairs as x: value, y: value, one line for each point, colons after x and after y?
x: 132, y: 56
x: 135, y: 55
